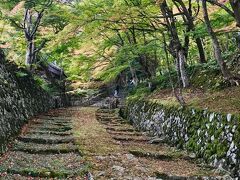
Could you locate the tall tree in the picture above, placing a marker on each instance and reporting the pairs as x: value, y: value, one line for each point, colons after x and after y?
x: 217, y: 48
x: 30, y: 24
x: 235, y: 5
x: 176, y: 47
x: 189, y: 21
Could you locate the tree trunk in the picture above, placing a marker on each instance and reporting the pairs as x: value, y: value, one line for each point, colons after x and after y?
x: 186, y: 44
x: 2, y: 56
x: 217, y: 50
x: 238, y: 40
x: 202, y: 57
x: 178, y: 96
x: 175, y: 45
x: 191, y: 26
x: 235, y: 4
x: 30, y: 53
x: 182, y: 69
x: 31, y: 23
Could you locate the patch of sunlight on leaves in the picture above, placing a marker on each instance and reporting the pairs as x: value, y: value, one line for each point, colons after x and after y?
x: 21, y: 74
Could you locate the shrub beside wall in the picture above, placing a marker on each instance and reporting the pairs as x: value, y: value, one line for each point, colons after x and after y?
x: 212, y: 136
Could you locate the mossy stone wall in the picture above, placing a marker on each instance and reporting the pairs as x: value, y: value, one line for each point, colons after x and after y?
x: 215, y: 137
x: 20, y: 99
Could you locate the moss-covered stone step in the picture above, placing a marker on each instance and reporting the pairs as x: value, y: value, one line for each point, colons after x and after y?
x: 122, y: 122
x: 108, y: 118
x: 112, y: 119
x: 56, y: 123
x: 114, y: 123
x: 104, y: 119
x: 153, y: 155
x: 60, y: 118
x: 117, y: 126
x: 54, y: 128
x: 111, y: 111
x: 160, y: 175
x: 47, y: 118
x: 49, y: 126
x: 105, y: 115
x: 51, y: 123
x: 54, y: 120
x: 45, y: 148
x: 170, y: 177
x: 54, y: 117
x: 120, y: 129
x: 50, y: 166
x: 6, y: 176
x: 124, y: 133
x: 47, y: 132
x: 130, y: 139
x: 45, y: 139
x: 106, y: 122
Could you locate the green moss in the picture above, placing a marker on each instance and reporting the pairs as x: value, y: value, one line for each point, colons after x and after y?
x: 191, y: 144
x: 207, y: 148
x: 46, y: 173
x: 221, y: 149
x: 207, y: 154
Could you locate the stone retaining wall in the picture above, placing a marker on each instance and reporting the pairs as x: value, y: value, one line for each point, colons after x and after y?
x: 212, y: 136
x: 20, y: 99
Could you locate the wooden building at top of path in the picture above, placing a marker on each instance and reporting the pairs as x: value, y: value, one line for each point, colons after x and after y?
x: 55, y: 71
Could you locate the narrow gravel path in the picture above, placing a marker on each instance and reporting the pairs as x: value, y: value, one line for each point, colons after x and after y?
x: 69, y: 143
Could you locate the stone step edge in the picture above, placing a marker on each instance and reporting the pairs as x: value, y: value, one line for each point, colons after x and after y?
x: 47, y: 151
x: 50, y: 133
x: 45, y: 141
x: 165, y: 176
x: 46, y: 173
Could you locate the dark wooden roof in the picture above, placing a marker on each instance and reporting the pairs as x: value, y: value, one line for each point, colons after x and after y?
x: 56, y: 70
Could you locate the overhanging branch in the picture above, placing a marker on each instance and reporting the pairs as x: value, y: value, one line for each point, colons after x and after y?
x: 215, y: 2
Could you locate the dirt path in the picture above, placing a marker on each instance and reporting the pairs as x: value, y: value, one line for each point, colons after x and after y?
x: 70, y: 143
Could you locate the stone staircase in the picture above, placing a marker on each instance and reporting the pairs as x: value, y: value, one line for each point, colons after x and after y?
x: 171, y: 164
x: 45, y: 150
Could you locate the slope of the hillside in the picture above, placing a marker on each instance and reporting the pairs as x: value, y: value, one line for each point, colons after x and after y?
x: 226, y: 100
